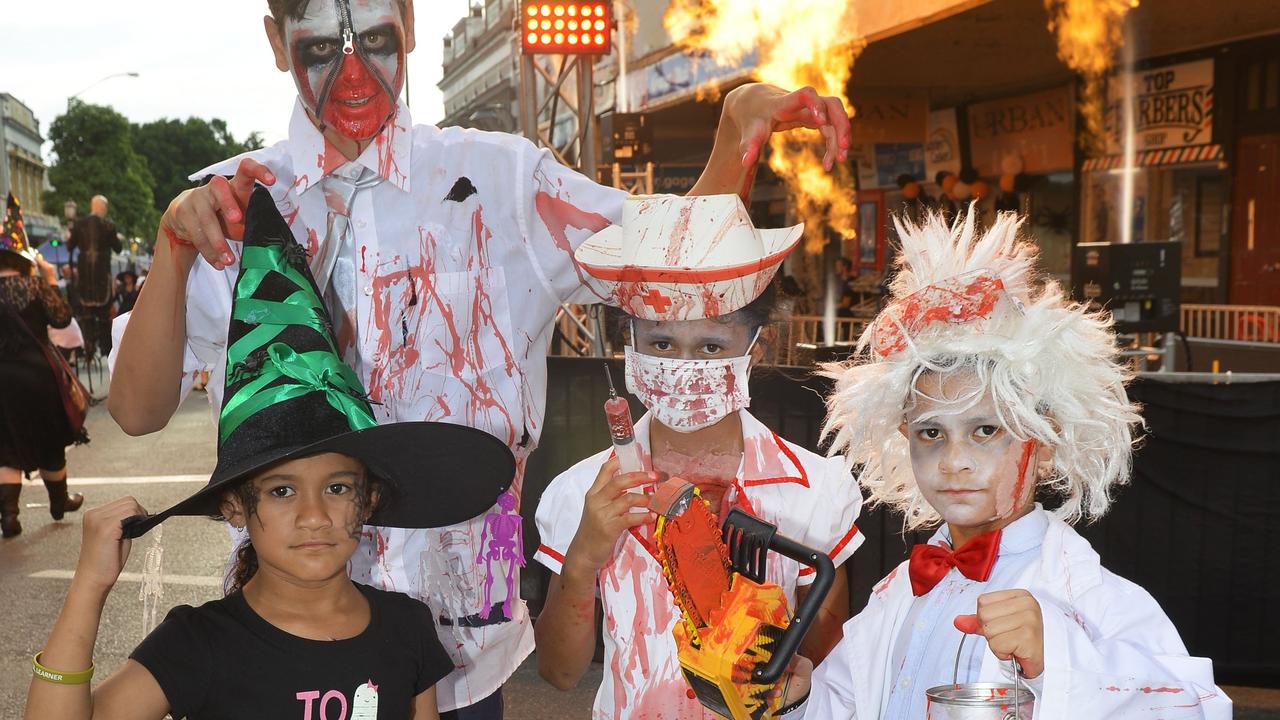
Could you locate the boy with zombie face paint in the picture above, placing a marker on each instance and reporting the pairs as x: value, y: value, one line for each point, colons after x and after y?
x: 978, y: 385
x: 694, y: 277
x: 442, y: 255
x: 347, y: 59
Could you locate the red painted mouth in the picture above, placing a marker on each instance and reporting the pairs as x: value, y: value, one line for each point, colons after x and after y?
x: 358, y: 105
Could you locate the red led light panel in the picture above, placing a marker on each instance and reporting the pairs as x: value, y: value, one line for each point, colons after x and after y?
x: 577, y: 28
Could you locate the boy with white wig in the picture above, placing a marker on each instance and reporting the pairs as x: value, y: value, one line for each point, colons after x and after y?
x: 978, y: 385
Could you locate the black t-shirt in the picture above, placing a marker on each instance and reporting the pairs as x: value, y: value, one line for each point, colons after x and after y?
x: 222, y: 661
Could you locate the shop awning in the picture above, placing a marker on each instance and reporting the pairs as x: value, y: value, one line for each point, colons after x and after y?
x: 1146, y: 158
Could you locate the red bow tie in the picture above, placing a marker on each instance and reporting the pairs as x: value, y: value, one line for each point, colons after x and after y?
x: 930, y: 563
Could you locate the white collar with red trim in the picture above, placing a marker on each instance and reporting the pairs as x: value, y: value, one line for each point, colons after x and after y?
x: 388, y: 155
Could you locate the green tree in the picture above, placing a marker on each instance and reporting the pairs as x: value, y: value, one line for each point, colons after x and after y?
x: 176, y: 148
x: 95, y: 156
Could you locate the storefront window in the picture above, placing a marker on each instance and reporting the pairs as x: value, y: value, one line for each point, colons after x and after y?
x: 1184, y: 203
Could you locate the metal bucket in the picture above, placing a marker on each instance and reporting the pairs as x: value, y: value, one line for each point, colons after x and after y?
x: 980, y: 701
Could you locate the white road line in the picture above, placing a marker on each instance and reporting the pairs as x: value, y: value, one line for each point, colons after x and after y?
x: 192, y: 580
x: 130, y: 480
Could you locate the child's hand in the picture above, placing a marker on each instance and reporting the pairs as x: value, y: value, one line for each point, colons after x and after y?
x: 1013, y: 625
x: 800, y: 672
x: 104, y: 549
x: 606, y: 514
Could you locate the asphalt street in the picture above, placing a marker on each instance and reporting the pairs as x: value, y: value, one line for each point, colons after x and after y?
x: 158, y: 470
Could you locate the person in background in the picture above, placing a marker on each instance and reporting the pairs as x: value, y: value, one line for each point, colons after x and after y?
x: 844, y: 278
x: 34, y: 429
x: 93, y: 240
x: 948, y: 203
x: 126, y: 291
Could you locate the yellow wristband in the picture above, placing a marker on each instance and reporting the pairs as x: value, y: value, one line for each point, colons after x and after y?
x: 62, y: 678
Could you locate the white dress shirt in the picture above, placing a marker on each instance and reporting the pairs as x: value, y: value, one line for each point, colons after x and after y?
x: 465, y: 255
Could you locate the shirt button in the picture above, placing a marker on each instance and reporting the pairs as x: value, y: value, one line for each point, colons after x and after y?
x: 368, y: 290
x: 906, y: 683
x: 360, y: 224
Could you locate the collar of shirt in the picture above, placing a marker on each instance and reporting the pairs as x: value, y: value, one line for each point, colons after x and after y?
x: 313, y: 158
x: 1019, y: 536
x: 766, y: 459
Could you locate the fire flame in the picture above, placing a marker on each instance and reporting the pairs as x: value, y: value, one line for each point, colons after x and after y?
x: 1088, y: 33
x: 800, y: 43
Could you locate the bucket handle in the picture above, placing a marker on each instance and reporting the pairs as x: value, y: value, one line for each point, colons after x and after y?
x: 1017, y: 679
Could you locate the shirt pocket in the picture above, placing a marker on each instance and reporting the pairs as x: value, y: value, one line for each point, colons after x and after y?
x: 450, y: 356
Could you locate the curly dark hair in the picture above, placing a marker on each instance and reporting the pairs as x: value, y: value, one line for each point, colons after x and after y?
x: 245, y: 494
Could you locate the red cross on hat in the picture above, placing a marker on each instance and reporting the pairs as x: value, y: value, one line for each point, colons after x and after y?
x: 657, y: 301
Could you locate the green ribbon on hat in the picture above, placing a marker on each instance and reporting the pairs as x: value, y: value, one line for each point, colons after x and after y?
x: 316, y: 371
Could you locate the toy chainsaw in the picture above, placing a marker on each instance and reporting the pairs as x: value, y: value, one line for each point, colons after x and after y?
x: 735, y: 639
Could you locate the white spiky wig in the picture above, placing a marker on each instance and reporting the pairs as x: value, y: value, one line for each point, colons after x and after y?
x: 1050, y: 365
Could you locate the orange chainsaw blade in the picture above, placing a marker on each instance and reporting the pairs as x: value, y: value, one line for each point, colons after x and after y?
x: 695, y: 561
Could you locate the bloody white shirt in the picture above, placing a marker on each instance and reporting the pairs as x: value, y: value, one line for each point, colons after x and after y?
x: 811, y: 499
x: 465, y: 254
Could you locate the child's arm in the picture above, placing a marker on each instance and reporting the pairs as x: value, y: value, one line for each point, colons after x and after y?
x: 1130, y: 660
x: 827, y: 628
x: 146, y: 380
x: 424, y: 705
x: 131, y: 693
x: 566, y: 628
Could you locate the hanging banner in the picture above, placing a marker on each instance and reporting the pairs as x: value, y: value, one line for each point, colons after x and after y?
x: 1172, y: 107
x: 1036, y: 128
x: 883, y: 117
x: 942, y: 145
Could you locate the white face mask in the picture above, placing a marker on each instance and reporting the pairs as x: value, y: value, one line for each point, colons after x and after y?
x: 689, y: 395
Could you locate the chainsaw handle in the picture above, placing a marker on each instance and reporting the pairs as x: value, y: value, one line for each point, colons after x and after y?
x: 740, y: 527
x: 805, y: 613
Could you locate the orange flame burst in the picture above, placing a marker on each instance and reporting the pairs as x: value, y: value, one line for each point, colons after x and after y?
x: 1088, y: 33
x: 809, y: 43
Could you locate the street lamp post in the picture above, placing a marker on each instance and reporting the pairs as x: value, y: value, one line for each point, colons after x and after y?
x: 71, y: 100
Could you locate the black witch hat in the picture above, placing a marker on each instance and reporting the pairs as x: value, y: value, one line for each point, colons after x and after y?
x: 289, y: 395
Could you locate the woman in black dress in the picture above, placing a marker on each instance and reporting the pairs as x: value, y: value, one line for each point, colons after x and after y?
x: 34, y: 431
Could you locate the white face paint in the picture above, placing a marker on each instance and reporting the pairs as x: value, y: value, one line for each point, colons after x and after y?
x: 968, y: 467
x: 347, y: 59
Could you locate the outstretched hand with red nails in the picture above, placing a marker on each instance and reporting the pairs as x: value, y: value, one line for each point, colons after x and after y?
x: 759, y: 110
x: 1013, y: 625
x: 203, y: 218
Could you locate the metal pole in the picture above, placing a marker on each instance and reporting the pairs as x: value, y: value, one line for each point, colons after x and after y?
x: 528, y: 99
x: 588, y: 132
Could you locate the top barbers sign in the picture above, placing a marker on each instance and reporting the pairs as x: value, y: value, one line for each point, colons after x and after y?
x: 1173, y: 107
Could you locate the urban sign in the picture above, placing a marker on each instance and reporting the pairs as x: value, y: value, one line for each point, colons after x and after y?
x: 1038, y: 128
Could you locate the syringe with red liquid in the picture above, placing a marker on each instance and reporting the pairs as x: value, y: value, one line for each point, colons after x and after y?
x: 621, y: 430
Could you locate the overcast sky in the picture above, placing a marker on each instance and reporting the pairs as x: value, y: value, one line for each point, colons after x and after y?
x: 207, y: 58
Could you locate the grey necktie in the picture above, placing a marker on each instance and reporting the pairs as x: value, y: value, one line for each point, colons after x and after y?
x: 334, y: 264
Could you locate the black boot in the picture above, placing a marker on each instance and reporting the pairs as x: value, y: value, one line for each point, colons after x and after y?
x: 9, y: 525
x: 60, y: 502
